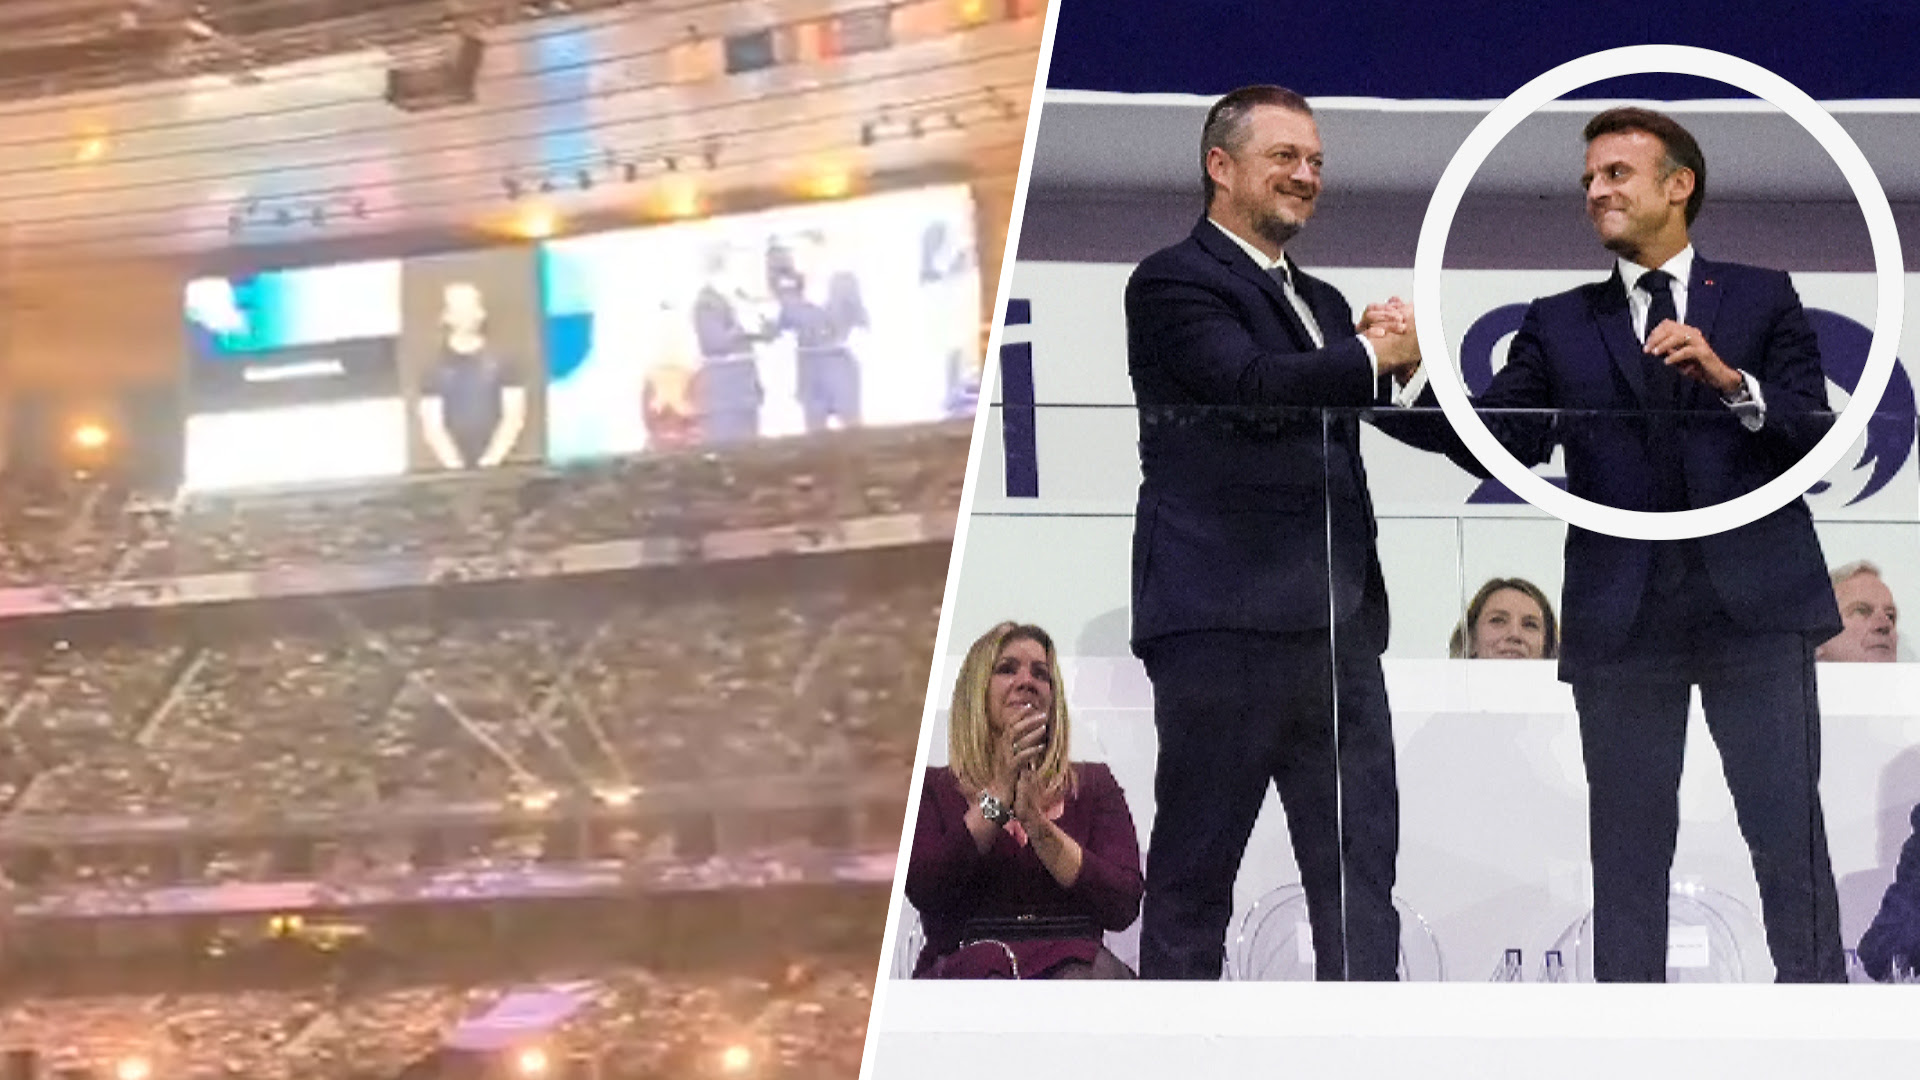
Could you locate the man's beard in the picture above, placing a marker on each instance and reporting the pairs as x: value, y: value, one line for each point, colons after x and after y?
x: 1272, y: 228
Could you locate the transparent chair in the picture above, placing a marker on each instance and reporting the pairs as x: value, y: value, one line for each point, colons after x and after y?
x: 1711, y: 938
x: 1125, y: 944
x: 1274, y: 944
x: 907, y: 945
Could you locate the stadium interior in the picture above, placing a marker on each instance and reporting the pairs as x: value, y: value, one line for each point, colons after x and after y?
x: 330, y: 748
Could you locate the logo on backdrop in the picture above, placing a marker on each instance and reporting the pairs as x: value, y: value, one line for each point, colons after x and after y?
x: 1017, y: 441
x: 1843, y: 355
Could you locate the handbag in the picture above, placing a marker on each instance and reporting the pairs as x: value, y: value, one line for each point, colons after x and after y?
x: 986, y: 951
x: 1031, y: 928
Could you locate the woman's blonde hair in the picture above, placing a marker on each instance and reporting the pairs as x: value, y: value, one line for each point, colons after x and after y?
x: 970, y: 733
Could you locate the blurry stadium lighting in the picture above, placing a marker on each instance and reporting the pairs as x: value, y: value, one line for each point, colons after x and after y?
x: 90, y: 436
x: 531, y: 1062
x: 622, y: 796
x: 536, y: 223
x: 91, y: 149
x: 830, y: 183
x: 537, y: 800
x: 736, y: 1059
x: 132, y: 1068
x: 972, y: 11
x: 680, y: 198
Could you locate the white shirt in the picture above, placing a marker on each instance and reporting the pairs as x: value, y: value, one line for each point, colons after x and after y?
x: 1751, y: 410
x: 1314, y: 329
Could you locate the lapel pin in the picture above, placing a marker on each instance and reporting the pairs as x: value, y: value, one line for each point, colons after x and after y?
x: 1709, y: 281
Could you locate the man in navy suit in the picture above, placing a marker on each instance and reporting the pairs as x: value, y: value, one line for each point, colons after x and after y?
x: 1890, y: 949
x: 1706, y: 382
x: 1258, y: 605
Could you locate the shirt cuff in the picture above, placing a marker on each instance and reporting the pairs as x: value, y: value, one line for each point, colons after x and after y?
x: 1373, y: 358
x: 1409, y: 395
x: 1751, y: 408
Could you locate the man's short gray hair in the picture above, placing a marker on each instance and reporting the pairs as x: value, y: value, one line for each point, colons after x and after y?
x: 1843, y: 574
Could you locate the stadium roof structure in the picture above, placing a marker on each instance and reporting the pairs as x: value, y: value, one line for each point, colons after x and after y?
x: 169, y: 128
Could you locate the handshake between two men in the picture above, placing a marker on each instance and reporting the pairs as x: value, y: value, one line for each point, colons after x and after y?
x: 1389, y: 327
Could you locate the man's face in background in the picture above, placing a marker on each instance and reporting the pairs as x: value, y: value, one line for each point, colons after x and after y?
x: 1871, y: 633
x: 462, y: 309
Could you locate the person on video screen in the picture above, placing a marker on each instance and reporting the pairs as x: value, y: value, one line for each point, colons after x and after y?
x: 472, y: 408
x: 948, y: 275
x: 820, y: 304
x: 667, y: 400
x: 730, y: 323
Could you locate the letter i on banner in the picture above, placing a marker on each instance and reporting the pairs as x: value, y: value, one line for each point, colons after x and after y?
x: 1017, y: 408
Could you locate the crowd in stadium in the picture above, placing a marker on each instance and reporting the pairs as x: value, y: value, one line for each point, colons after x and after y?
x: 635, y: 1024
x: 62, y: 528
x: 567, y: 687
x: 458, y: 708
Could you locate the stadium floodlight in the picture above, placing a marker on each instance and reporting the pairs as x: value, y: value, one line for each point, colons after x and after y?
x: 537, y: 801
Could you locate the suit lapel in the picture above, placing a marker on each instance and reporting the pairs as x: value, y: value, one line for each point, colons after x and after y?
x: 1703, y: 297
x: 1615, y: 322
x: 1209, y: 237
x: 1703, y: 306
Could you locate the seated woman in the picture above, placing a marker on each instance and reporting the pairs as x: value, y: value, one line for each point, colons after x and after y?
x: 1508, y: 619
x: 1893, y: 941
x: 1021, y: 858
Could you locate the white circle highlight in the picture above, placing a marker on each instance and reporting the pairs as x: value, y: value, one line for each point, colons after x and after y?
x: 1451, y: 391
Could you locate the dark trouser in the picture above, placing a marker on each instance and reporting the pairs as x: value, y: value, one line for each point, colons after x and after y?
x: 1763, y: 711
x: 728, y: 394
x: 829, y: 387
x: 1236, y: 712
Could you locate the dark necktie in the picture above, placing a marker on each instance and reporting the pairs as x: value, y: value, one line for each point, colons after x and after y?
x: 1663, y: 383
x: 1663, y: 396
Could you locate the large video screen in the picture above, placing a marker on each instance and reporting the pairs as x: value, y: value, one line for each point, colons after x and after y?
x: 807, y: 318
x: 285, y: 310
x: 364, y: 370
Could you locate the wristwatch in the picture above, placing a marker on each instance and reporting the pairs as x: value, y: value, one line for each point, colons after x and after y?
x: 1741, y: 396
x: 993, y: 809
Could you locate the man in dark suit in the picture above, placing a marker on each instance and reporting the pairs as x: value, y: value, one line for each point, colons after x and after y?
x: 1258, y: 606
x: 1890, y: 949
x: 1705, y: 382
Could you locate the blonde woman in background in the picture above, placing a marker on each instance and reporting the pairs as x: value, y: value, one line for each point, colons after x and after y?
x: 1022, y: 859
